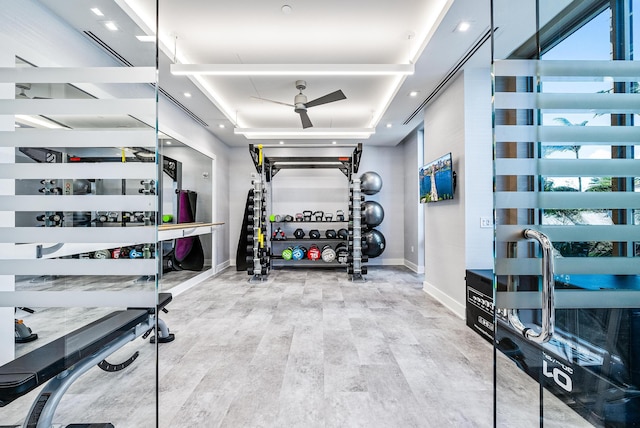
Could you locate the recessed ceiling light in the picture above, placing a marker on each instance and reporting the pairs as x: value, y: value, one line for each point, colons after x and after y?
x: 97, y: 11
x: 413, y: 93
x: 334, y: 142
x: 146, y: 38
x: 389, y: 125
x: 221, y: 125
x: 463, y: 26
x: 281, y: 142
x: 17, y: 125
x: 168, y: 142
x: 187, y: 94
x: 111, y: 25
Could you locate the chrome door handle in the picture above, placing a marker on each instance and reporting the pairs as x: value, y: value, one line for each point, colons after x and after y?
x: 548, y: 290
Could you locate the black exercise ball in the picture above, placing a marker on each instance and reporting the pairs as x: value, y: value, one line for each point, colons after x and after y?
x: 373, y: 213
x: 375, y: 243
x: 370, y: 183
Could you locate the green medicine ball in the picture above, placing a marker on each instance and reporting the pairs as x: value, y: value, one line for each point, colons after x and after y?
x: 166, y: 218
x: 287, y: 253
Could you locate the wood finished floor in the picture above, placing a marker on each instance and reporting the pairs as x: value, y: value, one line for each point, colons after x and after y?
x: 307, y: 348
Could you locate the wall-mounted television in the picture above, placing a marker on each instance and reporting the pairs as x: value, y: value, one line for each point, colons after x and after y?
x: 437, y: 180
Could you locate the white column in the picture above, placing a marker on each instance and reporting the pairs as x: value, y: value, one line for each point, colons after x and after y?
x: 7, y: 218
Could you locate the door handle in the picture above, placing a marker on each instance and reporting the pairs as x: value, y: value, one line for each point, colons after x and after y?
x: 548, y: 293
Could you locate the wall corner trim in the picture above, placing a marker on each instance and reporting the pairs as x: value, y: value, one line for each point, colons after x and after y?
x: 414, y: 267
x: 450, y: 303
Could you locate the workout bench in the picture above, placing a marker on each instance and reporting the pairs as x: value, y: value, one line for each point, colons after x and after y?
x: 64, y: 360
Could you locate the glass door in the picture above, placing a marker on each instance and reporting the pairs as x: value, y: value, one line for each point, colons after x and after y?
x: 566, y: 168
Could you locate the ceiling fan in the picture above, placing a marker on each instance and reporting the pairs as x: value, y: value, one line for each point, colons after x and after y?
x: 300, y: 104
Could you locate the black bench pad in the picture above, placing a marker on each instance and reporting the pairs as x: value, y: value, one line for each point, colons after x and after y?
x: 163, y: 300
x: 27, y: 372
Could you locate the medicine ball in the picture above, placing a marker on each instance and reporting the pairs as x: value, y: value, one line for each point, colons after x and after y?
x: 313, y: 253
x: 373, y: 213
x: 342, y: 254
x: 343, y: 234
x: 370, y: 183
x: 298, y: 253
x: 298, y: 233
x: 375, y: 243
x: 314, y: 234
x: 330, y: 234
x: 328, y: 254
x: 287, y: 253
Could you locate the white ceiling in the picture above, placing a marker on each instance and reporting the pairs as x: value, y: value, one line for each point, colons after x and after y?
x: 326, y: 32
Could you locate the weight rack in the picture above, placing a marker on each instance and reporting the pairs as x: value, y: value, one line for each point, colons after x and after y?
x: 259, y: 263
x: 267, y: 168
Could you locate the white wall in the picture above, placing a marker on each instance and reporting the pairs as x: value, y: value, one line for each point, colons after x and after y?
x: 388, y: 163
x: 478, y: 176
x: 413, y: 216
x: 459, y: 121
x: 445, y: 221
x: 297, y: 190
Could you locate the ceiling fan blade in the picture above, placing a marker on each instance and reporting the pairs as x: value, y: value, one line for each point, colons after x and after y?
x: 306, y: 122
x: 329, y: 98
x: 272, y: 101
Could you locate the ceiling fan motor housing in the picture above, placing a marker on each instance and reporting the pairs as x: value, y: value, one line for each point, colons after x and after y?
x: 300, y: 101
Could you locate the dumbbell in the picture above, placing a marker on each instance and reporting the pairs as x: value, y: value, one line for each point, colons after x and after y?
x: 54, y: 190
x: 52, y: 217
x: 356, y: 199
x: 314, y: 234
x: 363, y: 270
x: 339, y: 215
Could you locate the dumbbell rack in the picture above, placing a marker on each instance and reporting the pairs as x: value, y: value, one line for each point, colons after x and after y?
x: 355, y: 267
x: 258, y: 261
x: 267, y: 168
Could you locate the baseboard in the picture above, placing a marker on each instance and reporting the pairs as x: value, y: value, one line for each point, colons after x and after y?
x: 451, y: 304
x: 385, y: 262
x: 223, y: 266
x: 190, y: 283
x: 414, y: 267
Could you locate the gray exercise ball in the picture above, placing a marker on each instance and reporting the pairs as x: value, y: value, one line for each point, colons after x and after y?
x: 373, y: 213
x: 370, y: 183
x: 374, y: 243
